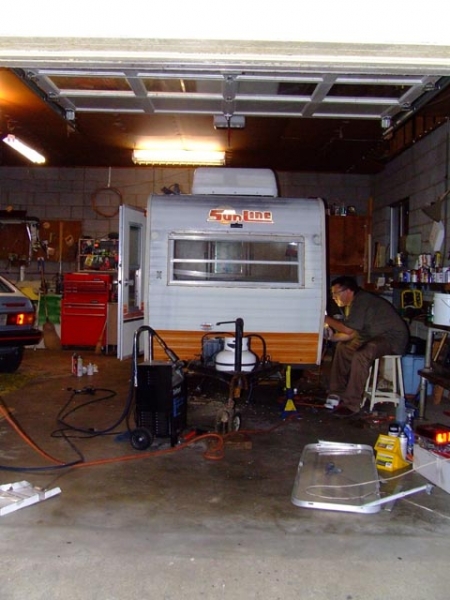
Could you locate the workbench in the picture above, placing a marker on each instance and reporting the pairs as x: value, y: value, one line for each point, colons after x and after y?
x: 436, y: 369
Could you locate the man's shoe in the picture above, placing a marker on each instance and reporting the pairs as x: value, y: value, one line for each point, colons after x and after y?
x: 344, y: 412
x: 332, y: 401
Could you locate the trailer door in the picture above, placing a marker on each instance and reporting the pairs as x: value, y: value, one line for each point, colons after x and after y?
x: 131, y: 268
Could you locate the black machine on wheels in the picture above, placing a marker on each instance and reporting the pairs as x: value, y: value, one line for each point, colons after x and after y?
x: 160, y: 394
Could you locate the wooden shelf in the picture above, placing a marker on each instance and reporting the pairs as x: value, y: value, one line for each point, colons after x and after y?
x: 387, y: 270
x: 435, y: 378
x: 405, y: 285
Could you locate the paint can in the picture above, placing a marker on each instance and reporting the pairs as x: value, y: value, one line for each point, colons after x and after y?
x: 394, y: 429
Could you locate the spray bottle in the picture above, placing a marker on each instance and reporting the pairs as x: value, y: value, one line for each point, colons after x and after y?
x: 403, y: 444
x: 79, y: 366
x: 408, y: 431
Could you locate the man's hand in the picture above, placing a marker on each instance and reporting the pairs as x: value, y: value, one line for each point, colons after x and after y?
x: 341, y: 333
x: 341, y: 337
x: 328, y: 333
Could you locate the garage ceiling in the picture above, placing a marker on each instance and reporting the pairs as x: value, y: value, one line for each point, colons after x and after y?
x: 306, y: 114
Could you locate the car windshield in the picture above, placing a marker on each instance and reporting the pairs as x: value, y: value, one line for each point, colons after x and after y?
x: 5, y: 288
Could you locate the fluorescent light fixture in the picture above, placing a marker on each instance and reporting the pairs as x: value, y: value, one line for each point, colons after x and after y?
x: 23, y: 149
x: 178, y: 157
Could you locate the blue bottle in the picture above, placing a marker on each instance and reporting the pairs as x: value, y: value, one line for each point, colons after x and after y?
x: 408, y: 431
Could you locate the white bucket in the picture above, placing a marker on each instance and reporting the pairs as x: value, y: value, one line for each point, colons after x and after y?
x: 441, y: 309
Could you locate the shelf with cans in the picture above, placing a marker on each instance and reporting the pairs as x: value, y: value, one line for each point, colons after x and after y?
x: 98, y: 254
x: 427, y: 269
x: 424, y: 275
x: 414, y: 299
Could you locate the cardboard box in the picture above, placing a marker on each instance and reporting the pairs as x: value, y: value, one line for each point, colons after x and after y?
x: 433, y: 467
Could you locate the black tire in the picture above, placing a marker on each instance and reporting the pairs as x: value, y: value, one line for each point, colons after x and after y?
x: 9, y: 363
x: 141, y: 438
x: 222, y: 421
x: 236, y: 422
x: 228, y: 421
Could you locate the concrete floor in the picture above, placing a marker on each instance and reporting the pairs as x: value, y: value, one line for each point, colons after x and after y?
x: 174, y: 524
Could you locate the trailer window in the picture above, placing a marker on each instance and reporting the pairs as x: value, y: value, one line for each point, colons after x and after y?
x: 257, y: 262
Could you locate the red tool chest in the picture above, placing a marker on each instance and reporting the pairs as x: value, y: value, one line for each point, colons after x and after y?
x: 84, y: 308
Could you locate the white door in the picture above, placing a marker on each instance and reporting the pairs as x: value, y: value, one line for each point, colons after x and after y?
x: 131, y: 269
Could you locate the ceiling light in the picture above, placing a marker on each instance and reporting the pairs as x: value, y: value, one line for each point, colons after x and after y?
x: 23, y: 149
x: 178, y: 157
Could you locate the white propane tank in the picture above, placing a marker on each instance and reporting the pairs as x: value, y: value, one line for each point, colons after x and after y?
x: 224, y: 360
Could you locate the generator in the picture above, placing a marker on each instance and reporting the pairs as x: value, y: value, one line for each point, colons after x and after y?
x: 160, y: 394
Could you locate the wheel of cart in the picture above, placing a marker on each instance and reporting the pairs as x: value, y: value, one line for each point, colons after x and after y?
x: 141, y: 438
x: 229, y: 419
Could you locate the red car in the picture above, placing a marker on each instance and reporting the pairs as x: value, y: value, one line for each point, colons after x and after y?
x: 17, y: 330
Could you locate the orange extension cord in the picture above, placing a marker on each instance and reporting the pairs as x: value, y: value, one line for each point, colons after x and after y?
x: 214, y: 451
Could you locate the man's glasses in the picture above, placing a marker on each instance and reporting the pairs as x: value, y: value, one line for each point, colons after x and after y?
x: 338, y: 292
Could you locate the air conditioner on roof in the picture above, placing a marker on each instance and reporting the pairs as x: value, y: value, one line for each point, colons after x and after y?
x: 229, y: 181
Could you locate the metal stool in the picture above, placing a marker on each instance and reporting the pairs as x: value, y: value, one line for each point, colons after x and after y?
x: 375, y: 395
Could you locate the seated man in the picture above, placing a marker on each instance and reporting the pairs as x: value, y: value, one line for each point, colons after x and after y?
x: 370, y: 328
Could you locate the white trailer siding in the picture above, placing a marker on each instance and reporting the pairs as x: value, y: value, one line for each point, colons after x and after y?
x: 288, y: 316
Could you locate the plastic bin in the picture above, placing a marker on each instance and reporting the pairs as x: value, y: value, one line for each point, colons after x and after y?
x: 411, y: 364
x: 434, y: 467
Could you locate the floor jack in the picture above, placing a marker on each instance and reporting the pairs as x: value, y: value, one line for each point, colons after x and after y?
x: 160, y: 394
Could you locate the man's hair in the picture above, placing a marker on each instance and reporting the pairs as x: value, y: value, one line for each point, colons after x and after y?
x: 346, y: 282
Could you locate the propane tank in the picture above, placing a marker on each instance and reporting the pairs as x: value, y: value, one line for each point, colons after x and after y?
x: 225, y: 359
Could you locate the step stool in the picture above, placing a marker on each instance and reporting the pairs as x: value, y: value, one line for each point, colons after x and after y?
x: 375, y: 395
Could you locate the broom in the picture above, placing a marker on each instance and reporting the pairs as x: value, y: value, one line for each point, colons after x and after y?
x: 51, y: 338
x: 99, y: 344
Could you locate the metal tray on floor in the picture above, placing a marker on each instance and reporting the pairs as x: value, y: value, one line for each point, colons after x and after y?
x: 337, y: 476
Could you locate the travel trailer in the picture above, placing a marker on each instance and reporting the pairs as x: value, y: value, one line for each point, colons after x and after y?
x: 234, y: 250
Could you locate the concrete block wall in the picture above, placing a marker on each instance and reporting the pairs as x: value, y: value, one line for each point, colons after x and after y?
x: 354, y: 190
x: 91, y: 196
x: 81, y: 194
x: 420, y: 174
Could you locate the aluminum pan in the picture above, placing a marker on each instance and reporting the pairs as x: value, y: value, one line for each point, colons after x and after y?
x: 337, y: 476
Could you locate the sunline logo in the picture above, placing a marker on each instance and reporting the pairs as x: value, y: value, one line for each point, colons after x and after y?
x: 226, y: 216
